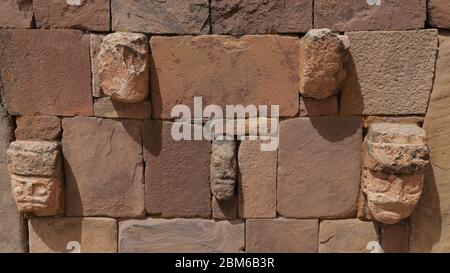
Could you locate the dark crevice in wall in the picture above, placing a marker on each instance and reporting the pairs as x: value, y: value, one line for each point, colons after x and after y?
x: 210, y: 17
x: 313, y: 9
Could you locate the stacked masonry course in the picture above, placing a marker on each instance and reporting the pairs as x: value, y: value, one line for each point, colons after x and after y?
x: 86, y: 151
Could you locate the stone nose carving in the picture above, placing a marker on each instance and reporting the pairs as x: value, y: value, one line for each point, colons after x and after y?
x: 36, y: 176
x: 395, y: 157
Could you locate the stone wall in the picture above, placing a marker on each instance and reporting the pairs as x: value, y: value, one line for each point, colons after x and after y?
x: 89, y: 162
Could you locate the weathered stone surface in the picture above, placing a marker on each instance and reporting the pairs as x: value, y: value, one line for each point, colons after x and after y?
x: 224, y: 209
x: 36, y: 174
x: 347, y: 236
x: 250, y: 127
x: 108, y: 108
x: 390, y: 72
x: 123, y: 66
x: 161, y: 17
x: 16, y: 13
x: 257, y: 70
x: 239, y: 17
x: 176, y: 173
x: 257, y: 191
x: 319, y: 167
x: 58, y: 83
x: 394, y: 238
x: 281, y: 235
x: 395, y: 157
x: 38, y: 127
x: 12, y: 230
x: 61, y: 235
x: 181, y: 235
x: 430, y: 222
x: 313, y: 108
x: 415, y: 120
x: 322, y: 58
x: 86, y: 15
x: 95, y: 45
x: 439, y: 13
x: 351, y: 15
x: 223, y: 169
x: 104, y: 168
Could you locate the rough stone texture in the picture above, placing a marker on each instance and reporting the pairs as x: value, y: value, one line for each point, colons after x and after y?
x: 394, y: 238
x: 94, y: 235
x: 281, y: 235
x: 12, y: 229
x: 415, y: 120
x: 430, y: 222
x: 37, y: 177
x: 108, y: 108
x: 38, y: 127
x: 181, y: 235
x: 104, y: 167
x: 395, y: 157
x: 313, y: 108
x: 347, y: 236
x: 257, y: 70
x: 224, y: 210
x: 16, y: 13
x: 90, y: 15
x: 351, y: 15
x: 390, y: 72
x: 176, y: 173
x: 58, y: 83
x: 322, y: 58
x: 250, y: 127
x: 123, y: 67
x: 239, y: 17
x: 439, y: 13
x: 319, y: 167
x: 95, y: 45
x: 161, y: 17
x: 257, y: 191
x: 223, y: 169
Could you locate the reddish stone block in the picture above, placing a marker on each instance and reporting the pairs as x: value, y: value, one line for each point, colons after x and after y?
x: 310, y: 107
x: 439, y: 13
x: 176, y: 173
x: 16, y: 14
x: 224, y: 210
x: 46, y: 72
x: 38, y: 127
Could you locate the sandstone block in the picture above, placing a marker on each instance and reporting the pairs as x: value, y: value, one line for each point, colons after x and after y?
x: 257, y: 191
x: 351, y: 15
x: 381, y: 80
x: 415, y: 120
x: 176, y: 173
x: 161, y: 17
x: 313, y: 108
x: 108, y: 108
x: 38, y: 127
x: 181, y: 235
x: 223, y: 169
x: 72, y: 234
x: 59, y: 81
x: 224, y: 209
x: 257, y: 70
x: 104, y: 168
x: 348, y: 236
x: 90, y: 15
x: 123, y: 67
x: 95, y: 46
x: 319, y: 167
x: 281, y: 235
x: 394, y: 238
x: 439, y: 13
x: 322, y: 59
x: 260, y: 17
x: 16, y: 13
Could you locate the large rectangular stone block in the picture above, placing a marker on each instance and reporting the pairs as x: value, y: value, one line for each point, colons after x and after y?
x: 390, y: 72
x: 350, y: 15
x: 319, y: 167
x: 103, y: 167
x: 176, y: 173
x: 257, y: 70
x: 16, y: 14
x: 46, y: 72
x: 181, y: 235
x: 161, y: 17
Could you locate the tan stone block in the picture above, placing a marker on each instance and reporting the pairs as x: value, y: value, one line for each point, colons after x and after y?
x: 16, y: 14
x: 310, y: 107
x: 95, y: 45
x: 108, y: 108
x: 439, y: 13
x: 395, y: 238
x: 224, y: 209
x: 415, y: 120
x: 38, y: 127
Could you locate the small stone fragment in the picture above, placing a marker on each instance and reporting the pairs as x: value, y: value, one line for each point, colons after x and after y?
x: 310, y: 107
x: 123, y: 66
x: 322, y: 59
x: 224, y: 209
x: 95, y: 45
x: 223, y: 169
x: 107, y: 108
x: 439, y: 13
x: 38, y: 127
